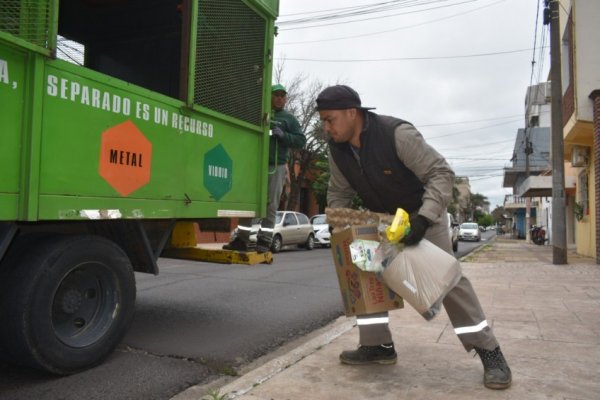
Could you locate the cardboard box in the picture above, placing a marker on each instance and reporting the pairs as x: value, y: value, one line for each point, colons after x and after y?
x: 362, y: 292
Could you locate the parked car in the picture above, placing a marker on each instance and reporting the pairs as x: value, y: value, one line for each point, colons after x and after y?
x: 453, y: 231
x: 321, y: 228
x: 292, y: 228
x: 469, y: 231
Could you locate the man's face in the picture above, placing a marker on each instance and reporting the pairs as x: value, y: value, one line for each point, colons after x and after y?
x: 339, y: 124
x: 278, y: 100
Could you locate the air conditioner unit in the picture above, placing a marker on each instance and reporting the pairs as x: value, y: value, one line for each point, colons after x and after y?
x: 579, y: 156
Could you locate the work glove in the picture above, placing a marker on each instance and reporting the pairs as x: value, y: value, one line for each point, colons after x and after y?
x: 418, y: 226
x: 277, y: 132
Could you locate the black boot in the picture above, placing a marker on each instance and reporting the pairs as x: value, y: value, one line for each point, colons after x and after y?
x: 237, y: 244
x: 382, y: 354
x: 264, y: 240
x: 496, y: 373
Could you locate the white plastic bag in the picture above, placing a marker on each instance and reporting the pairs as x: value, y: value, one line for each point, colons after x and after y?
x: 362, y: 253
x: 423, y: 275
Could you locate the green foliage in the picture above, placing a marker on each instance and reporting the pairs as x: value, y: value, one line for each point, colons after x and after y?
x: 357, y: 203
x: 578, y: 210
x: 485, y: 220
x: 319, y: 185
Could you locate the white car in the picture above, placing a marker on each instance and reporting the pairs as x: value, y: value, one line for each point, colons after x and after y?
x: 321, y: 228
x: 469, y: 231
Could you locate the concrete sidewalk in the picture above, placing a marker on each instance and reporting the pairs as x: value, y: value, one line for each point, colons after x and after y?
x: 546, y: 317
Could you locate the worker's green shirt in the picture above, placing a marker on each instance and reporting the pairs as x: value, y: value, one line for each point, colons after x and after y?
x: 293, y: 138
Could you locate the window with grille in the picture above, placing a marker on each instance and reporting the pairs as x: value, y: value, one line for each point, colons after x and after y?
x: 582, y: 188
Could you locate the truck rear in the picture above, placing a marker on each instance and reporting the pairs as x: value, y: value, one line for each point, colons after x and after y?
x: 118, y: 119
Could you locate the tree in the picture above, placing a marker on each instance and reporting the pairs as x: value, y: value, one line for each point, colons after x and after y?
x: 485, y: 220
x: 454, y: 204
x: 478, y: 203
x: 304, y: 163
x: 319, y: 184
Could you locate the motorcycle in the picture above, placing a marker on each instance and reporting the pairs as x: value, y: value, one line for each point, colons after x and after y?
x: 538, y: 235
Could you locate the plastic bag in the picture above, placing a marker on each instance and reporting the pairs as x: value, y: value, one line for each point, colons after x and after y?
x: 399, y: 227
x: 362, y: 253
x: 423, y: 275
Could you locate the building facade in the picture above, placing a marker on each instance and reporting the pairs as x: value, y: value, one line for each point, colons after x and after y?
x: 580, y: 74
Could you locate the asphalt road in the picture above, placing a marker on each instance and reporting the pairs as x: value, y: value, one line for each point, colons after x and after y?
x: 196, y: 322
x: 465, y: 248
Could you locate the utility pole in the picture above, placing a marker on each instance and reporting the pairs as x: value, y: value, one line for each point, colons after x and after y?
x: 528, y: 151
x: 559, y: 237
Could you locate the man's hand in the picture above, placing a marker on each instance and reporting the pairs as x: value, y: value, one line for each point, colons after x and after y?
x: 277, y: 132
x: 418, y: 226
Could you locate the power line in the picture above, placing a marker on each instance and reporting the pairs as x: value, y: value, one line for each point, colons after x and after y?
x: 462, y: 147
x: 364, y: 12
x: 472, y: 130
x: 407, y: 58
x: 468, y: 122
x: 391, y: 30
x: 346, y: 12
x: 331, y: 9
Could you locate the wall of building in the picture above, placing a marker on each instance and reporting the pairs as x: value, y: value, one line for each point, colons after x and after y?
x: 587, y: 55
x: 585, y: 230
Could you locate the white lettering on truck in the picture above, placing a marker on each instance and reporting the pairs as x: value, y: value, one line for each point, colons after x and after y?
x: 3, y: 71
x: 102, y: 100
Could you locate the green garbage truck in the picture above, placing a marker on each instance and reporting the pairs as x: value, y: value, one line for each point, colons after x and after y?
x: 118, y: 119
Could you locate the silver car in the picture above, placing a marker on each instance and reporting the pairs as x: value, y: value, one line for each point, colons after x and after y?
x: 292, y: 228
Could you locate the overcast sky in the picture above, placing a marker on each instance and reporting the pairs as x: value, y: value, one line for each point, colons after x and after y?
x: 457, y: 69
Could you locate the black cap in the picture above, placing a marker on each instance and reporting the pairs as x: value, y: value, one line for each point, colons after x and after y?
x: 339, y: 97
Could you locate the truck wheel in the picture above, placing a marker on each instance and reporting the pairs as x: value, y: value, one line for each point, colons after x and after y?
x: 68, y: 303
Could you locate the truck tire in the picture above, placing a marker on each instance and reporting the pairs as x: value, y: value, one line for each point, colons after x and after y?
x: 68, y: 302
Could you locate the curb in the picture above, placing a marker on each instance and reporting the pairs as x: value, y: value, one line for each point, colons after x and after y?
x: 263, y: 373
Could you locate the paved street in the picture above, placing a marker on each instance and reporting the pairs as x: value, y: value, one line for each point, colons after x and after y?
x: 546, y: 317
x: 197, y: 322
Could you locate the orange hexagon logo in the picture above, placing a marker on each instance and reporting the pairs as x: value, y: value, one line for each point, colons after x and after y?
x: 125, y: 158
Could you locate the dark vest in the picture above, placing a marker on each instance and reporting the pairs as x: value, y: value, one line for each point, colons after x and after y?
x: 381, y: 180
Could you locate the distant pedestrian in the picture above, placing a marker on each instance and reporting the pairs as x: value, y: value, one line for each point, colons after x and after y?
x: 387, y: 163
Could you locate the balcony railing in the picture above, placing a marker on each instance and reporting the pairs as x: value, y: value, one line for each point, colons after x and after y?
x: 513, y: 201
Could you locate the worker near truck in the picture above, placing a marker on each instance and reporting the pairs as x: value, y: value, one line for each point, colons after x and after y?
x: 286, y: 134
x: 387, y: 163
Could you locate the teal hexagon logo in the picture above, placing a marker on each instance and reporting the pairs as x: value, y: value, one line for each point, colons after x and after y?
x: 218, y: 170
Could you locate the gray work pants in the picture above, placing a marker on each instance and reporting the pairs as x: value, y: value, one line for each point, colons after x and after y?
x: 461, y: 304
x: 277, y: 176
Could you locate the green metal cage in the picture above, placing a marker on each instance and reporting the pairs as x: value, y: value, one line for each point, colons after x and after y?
x: 27, y: 19
x: 230, y: 59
